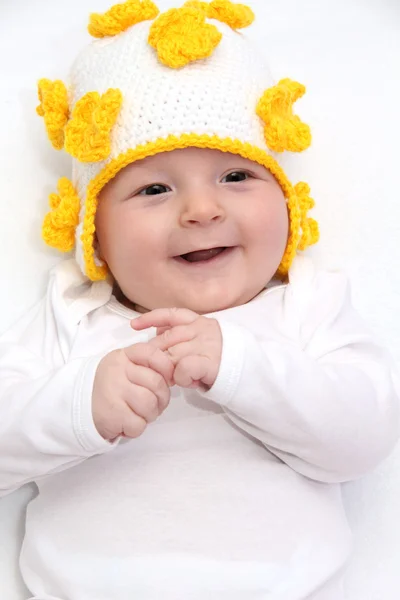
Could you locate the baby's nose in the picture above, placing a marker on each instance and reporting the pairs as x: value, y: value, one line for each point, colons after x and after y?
x: 201, y: 207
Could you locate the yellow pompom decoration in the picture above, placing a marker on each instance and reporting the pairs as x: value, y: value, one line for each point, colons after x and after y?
x: 181, y: 36
x: 203, y: 6
x: 236, y: 16
x: 120, y: 17
x: 309, y: 226
x: 53, y: 97
x: 59, y: 224
x: 283, y: 129
x: 87, y: 134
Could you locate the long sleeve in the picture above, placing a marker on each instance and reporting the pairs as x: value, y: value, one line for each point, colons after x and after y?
x: 45, y: 399
x: 325, y: 400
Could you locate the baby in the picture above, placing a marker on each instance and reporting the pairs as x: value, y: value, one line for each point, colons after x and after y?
x: 192, y: 392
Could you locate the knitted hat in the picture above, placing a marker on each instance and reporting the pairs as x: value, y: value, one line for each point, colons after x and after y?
x: 156, y: 82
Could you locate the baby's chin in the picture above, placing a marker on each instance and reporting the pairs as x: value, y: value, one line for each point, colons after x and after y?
x: 204, y: 304
x: 228, y: 294
x: 201, y: 301
x: 199, y: 307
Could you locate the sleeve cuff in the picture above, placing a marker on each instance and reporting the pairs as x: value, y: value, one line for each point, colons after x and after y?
x: 82, y: 417
x: 232, y: 361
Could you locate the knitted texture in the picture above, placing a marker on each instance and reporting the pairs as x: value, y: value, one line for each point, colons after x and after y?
x: 283, y: 129
x: 60, y: 223
x: 181, y: 36
x: 87, y: 134
x: 54, y: 109
x: 120, y: 17
x: 236, y: 16
x: 159, y: 82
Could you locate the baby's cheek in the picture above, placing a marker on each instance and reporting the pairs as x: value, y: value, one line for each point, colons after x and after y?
x: 271, y: 224
x: 279, y: 220
x: 283, y: 224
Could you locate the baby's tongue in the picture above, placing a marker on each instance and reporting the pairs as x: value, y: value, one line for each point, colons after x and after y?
x: 202, y: 254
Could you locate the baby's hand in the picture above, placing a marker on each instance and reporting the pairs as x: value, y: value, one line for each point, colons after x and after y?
x: 193, y: 342
x: 131, y: 389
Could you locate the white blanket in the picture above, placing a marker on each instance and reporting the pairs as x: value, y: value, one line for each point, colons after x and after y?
x: 348, y: 56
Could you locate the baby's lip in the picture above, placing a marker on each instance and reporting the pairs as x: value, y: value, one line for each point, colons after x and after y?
x: 203, y: 259
x: 202, y: 248
x: 200, y: 255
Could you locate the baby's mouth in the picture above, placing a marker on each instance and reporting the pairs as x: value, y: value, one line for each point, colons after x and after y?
x: 202, y: 255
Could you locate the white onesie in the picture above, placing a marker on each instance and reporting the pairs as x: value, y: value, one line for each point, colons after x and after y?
x: 233, y: 494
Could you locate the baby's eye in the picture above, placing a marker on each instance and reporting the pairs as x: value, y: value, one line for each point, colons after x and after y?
x: 235, y: 176
x: 153, y: 190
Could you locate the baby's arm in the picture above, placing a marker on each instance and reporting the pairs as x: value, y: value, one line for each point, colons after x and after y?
x: 328, y: 406
x: 44, y: 425
x: 55, y: 411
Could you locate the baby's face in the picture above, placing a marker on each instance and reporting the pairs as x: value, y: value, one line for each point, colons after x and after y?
x: 157, y: 210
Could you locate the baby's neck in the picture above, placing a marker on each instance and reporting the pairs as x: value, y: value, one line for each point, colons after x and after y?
x: 122, y: 299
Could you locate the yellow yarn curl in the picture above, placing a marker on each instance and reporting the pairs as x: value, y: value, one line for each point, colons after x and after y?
x: 181, y: 35
x: 120, y: 17
x: 53, y: 97
x: 87, y: 134
x: 203, y: 6
x: 237, y: 16
x: 303, y: 230
x: 309, y: 226
x: 59, y: 224
x: 283, y: 129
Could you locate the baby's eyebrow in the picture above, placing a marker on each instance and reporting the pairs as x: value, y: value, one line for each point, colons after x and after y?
x: 142, y: 165
x: 145, y: 170
x: 143, y: 161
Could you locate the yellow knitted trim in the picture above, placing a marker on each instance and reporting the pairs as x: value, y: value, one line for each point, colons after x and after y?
x: 60, y: 223
x: 283, y: 129
x: 297, y: 207
x: 87, y: 134
x: 181, y: 35
x: 54, y: 108
x: 120, y: 17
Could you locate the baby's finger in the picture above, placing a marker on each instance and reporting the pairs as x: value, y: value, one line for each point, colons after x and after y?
x: 164, y: 317
x: 150, y: 394
x: 180, y: 351
x: 161, y: 330
x: 173, y: 336
x: 191, y: 370
x: 133, y: 425
x: 148, y: 355
x: 144, y: 404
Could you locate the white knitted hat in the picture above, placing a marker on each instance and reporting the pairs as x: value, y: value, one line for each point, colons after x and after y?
x: 154, y: 83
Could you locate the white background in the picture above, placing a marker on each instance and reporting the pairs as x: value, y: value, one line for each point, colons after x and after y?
x: 347, y: 53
